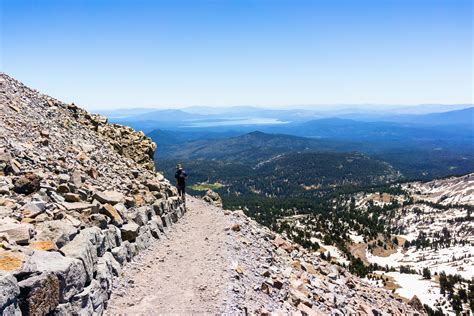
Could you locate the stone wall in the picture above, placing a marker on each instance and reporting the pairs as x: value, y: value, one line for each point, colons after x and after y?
x: 78, y: 278
x: 78, y: 200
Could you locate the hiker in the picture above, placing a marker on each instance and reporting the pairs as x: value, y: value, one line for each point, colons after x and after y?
x: 181, y: 176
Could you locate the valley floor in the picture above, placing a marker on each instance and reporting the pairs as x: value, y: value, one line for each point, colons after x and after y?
x: 184, y: 273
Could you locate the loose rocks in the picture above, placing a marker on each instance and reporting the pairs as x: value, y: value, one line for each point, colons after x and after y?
x: 64, y: 178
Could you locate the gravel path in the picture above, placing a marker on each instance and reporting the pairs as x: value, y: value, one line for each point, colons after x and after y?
x: 188, y: 271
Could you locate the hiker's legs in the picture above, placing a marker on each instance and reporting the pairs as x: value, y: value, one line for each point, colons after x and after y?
x: 182, y: 193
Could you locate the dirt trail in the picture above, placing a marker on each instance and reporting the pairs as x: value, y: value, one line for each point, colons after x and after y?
x: 185, y: 272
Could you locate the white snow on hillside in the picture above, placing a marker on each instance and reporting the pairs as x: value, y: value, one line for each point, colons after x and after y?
x: 438, y: 217
x: 440, y: 191
x: 356, y: 238
x: 412, y: 284
x: 436, y: 261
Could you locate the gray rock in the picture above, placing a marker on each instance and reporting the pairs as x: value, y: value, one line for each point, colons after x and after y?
x: 4, y: 189
x: 80, y: 206
x: 121, y: 209
x: 159, y: 207
x: 142, y: 215
x: 166, y: 220
x: 59, y: 231
x: 113, y: 214
x: 174, y: 202
x: 9, y: 290
x: 120, y: 254
x: 55, y: 197
x: 153, y: 185
x: 174, y: 217
x: 81, y: 304
x: 112, y: 237
x: 154, y: 229
x: 213, y: 198
x: 333, y: 276
x: 64, y: 178
x: 33, y: 209
x: 99, y: 220
x: 63, y: 310
x: 131, y: 250
x: 77, y: 178
x: 111, y: 197
x: 5, y: 212
x: 144, y: 238
x: 70, y: 271
x: 104, y: 277
x: 113, y: 264
x: 158, y: 221
x: 17, y: 232
x: 11, y: 310
x: 129, y: 231
x: 84, y: 248
x: 63, y: 188
x: 97, y: 294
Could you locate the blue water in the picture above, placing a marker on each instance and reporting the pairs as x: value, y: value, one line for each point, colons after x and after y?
x: 236, y: 122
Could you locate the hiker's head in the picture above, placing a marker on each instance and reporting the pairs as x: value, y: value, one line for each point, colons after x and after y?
x: 179, y: 167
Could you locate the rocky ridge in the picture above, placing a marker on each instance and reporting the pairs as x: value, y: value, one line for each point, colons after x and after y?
x: 78, y: 199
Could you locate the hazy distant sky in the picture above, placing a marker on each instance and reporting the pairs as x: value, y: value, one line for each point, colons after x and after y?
x: 116, y: 53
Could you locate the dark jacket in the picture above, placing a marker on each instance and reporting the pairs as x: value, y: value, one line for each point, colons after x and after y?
x: 181, y: 176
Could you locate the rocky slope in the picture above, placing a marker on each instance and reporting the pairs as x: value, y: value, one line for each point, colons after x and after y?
x: 276, y: 275
x: 78, y: 199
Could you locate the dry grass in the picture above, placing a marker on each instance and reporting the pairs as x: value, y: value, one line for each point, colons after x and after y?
x: 391, y: 248
x: 390, y: 285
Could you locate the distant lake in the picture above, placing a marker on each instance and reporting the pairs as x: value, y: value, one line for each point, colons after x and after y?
x: 236, y: 122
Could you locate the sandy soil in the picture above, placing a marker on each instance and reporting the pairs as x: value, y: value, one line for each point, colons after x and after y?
x: 186, y: 272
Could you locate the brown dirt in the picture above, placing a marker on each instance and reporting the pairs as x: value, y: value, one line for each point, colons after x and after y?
x: 358, y: 251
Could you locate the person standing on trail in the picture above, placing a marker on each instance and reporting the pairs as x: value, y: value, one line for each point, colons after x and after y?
x: 181, y: 177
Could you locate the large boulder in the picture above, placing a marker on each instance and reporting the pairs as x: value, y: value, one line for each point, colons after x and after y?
x: 129, y: 231
x: 85, y: 248
x: 112, y: 237
x: 39, y: 295
x: 70, y: 271
x: 98, y: 295
x: 142, y: 215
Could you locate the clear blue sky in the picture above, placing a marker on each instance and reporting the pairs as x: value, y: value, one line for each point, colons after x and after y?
x: 116, y: 53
